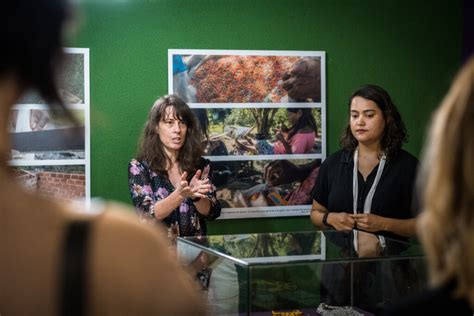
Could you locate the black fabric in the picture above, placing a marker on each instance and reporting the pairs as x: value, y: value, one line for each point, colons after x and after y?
x: 439, y: 301
x: 74, y: 269
x: 393, y: 196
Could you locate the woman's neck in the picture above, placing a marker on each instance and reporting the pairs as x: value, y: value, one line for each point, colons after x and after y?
x: 369, y: 150
x: 172, y: 159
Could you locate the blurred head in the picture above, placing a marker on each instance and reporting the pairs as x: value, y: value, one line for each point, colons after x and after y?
x: 446, y: 182
x: 380, y: 122
x: 301, y: 118
x: 31, y: 33
x: 170, y: 127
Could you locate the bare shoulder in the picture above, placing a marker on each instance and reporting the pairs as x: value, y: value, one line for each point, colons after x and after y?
x: 134, y: 270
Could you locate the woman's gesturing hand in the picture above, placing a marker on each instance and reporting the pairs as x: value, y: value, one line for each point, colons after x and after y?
x: 199, y: 183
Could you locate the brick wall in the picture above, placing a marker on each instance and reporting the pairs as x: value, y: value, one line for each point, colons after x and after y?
x: 64, y: 186
x: 67, y: 186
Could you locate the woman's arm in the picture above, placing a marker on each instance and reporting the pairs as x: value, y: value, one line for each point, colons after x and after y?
x: 286, y: 145
x: 139, y: 185
x: 163, y: 208
x: 151, y: 206
x: 337, y: 220
x: 195, y: 189
x: 375, y: 223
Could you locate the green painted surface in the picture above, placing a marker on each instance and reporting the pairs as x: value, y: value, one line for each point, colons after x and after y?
x: 411, y: 48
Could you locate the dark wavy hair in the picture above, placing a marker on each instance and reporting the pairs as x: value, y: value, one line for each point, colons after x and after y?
x: 32, y: 40
x: 150, y: 148
x: 394, y: 134
x: 306, y: 119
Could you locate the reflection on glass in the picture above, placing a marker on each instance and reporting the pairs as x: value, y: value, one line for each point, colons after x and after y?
x: 303, y: 271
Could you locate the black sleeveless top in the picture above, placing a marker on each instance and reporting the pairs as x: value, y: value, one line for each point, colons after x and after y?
x: 73, y: 273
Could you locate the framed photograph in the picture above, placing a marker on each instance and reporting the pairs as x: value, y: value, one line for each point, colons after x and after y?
x: 243, y: 78
x: 47, y: 146
x: 256, y: 109
x: 73, y: 80
x: 232, y: 133
x: 265, y: 188
x: 37, y: 134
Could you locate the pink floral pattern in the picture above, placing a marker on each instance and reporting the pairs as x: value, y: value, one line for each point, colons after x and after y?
x: 147, y: 187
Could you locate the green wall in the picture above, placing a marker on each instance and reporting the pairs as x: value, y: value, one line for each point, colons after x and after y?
x: 408, y: 48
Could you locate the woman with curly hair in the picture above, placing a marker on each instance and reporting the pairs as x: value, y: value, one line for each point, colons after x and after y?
x: 366, y: 190
x: 169, y: 181
x: 368, y: 185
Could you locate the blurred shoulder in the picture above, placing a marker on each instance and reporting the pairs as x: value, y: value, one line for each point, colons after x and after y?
x: 134, y: 270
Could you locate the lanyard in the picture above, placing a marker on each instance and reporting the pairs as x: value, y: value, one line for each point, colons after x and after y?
x: 370, y: 195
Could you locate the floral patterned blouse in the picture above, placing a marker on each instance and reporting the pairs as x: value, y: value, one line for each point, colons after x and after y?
x: 147, y: 187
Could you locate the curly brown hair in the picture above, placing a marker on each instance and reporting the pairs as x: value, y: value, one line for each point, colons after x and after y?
x: 150, y: 148
x: 394, y: 134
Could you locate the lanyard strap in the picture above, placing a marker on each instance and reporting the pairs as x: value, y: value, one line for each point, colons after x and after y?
x: 370, y: 195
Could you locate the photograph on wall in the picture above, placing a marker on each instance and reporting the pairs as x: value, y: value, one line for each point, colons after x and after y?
x: 216, y: 77
x: 254, y: 131
x: 58, y: 181
x: 255, y: 109
x: 260, y: 188
x: 38, y: 134
x: 70, y: 80
x: 50, y: 152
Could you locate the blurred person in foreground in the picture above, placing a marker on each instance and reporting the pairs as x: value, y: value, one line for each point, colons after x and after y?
x: 446, y: 224
x: 55, y: 258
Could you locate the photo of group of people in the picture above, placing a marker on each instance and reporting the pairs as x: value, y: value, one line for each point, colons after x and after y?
x: 259, y: 111
x: 49, y: 151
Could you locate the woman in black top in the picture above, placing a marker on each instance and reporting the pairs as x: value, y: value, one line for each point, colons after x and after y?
x: 365, y: 190
x: 374, y: 137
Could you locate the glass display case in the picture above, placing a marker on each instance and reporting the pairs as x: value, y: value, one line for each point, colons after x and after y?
x: 301, y: 273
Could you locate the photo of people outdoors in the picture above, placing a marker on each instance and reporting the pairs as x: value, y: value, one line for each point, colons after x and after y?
x: 267, y: 131
x: 263, y: 184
